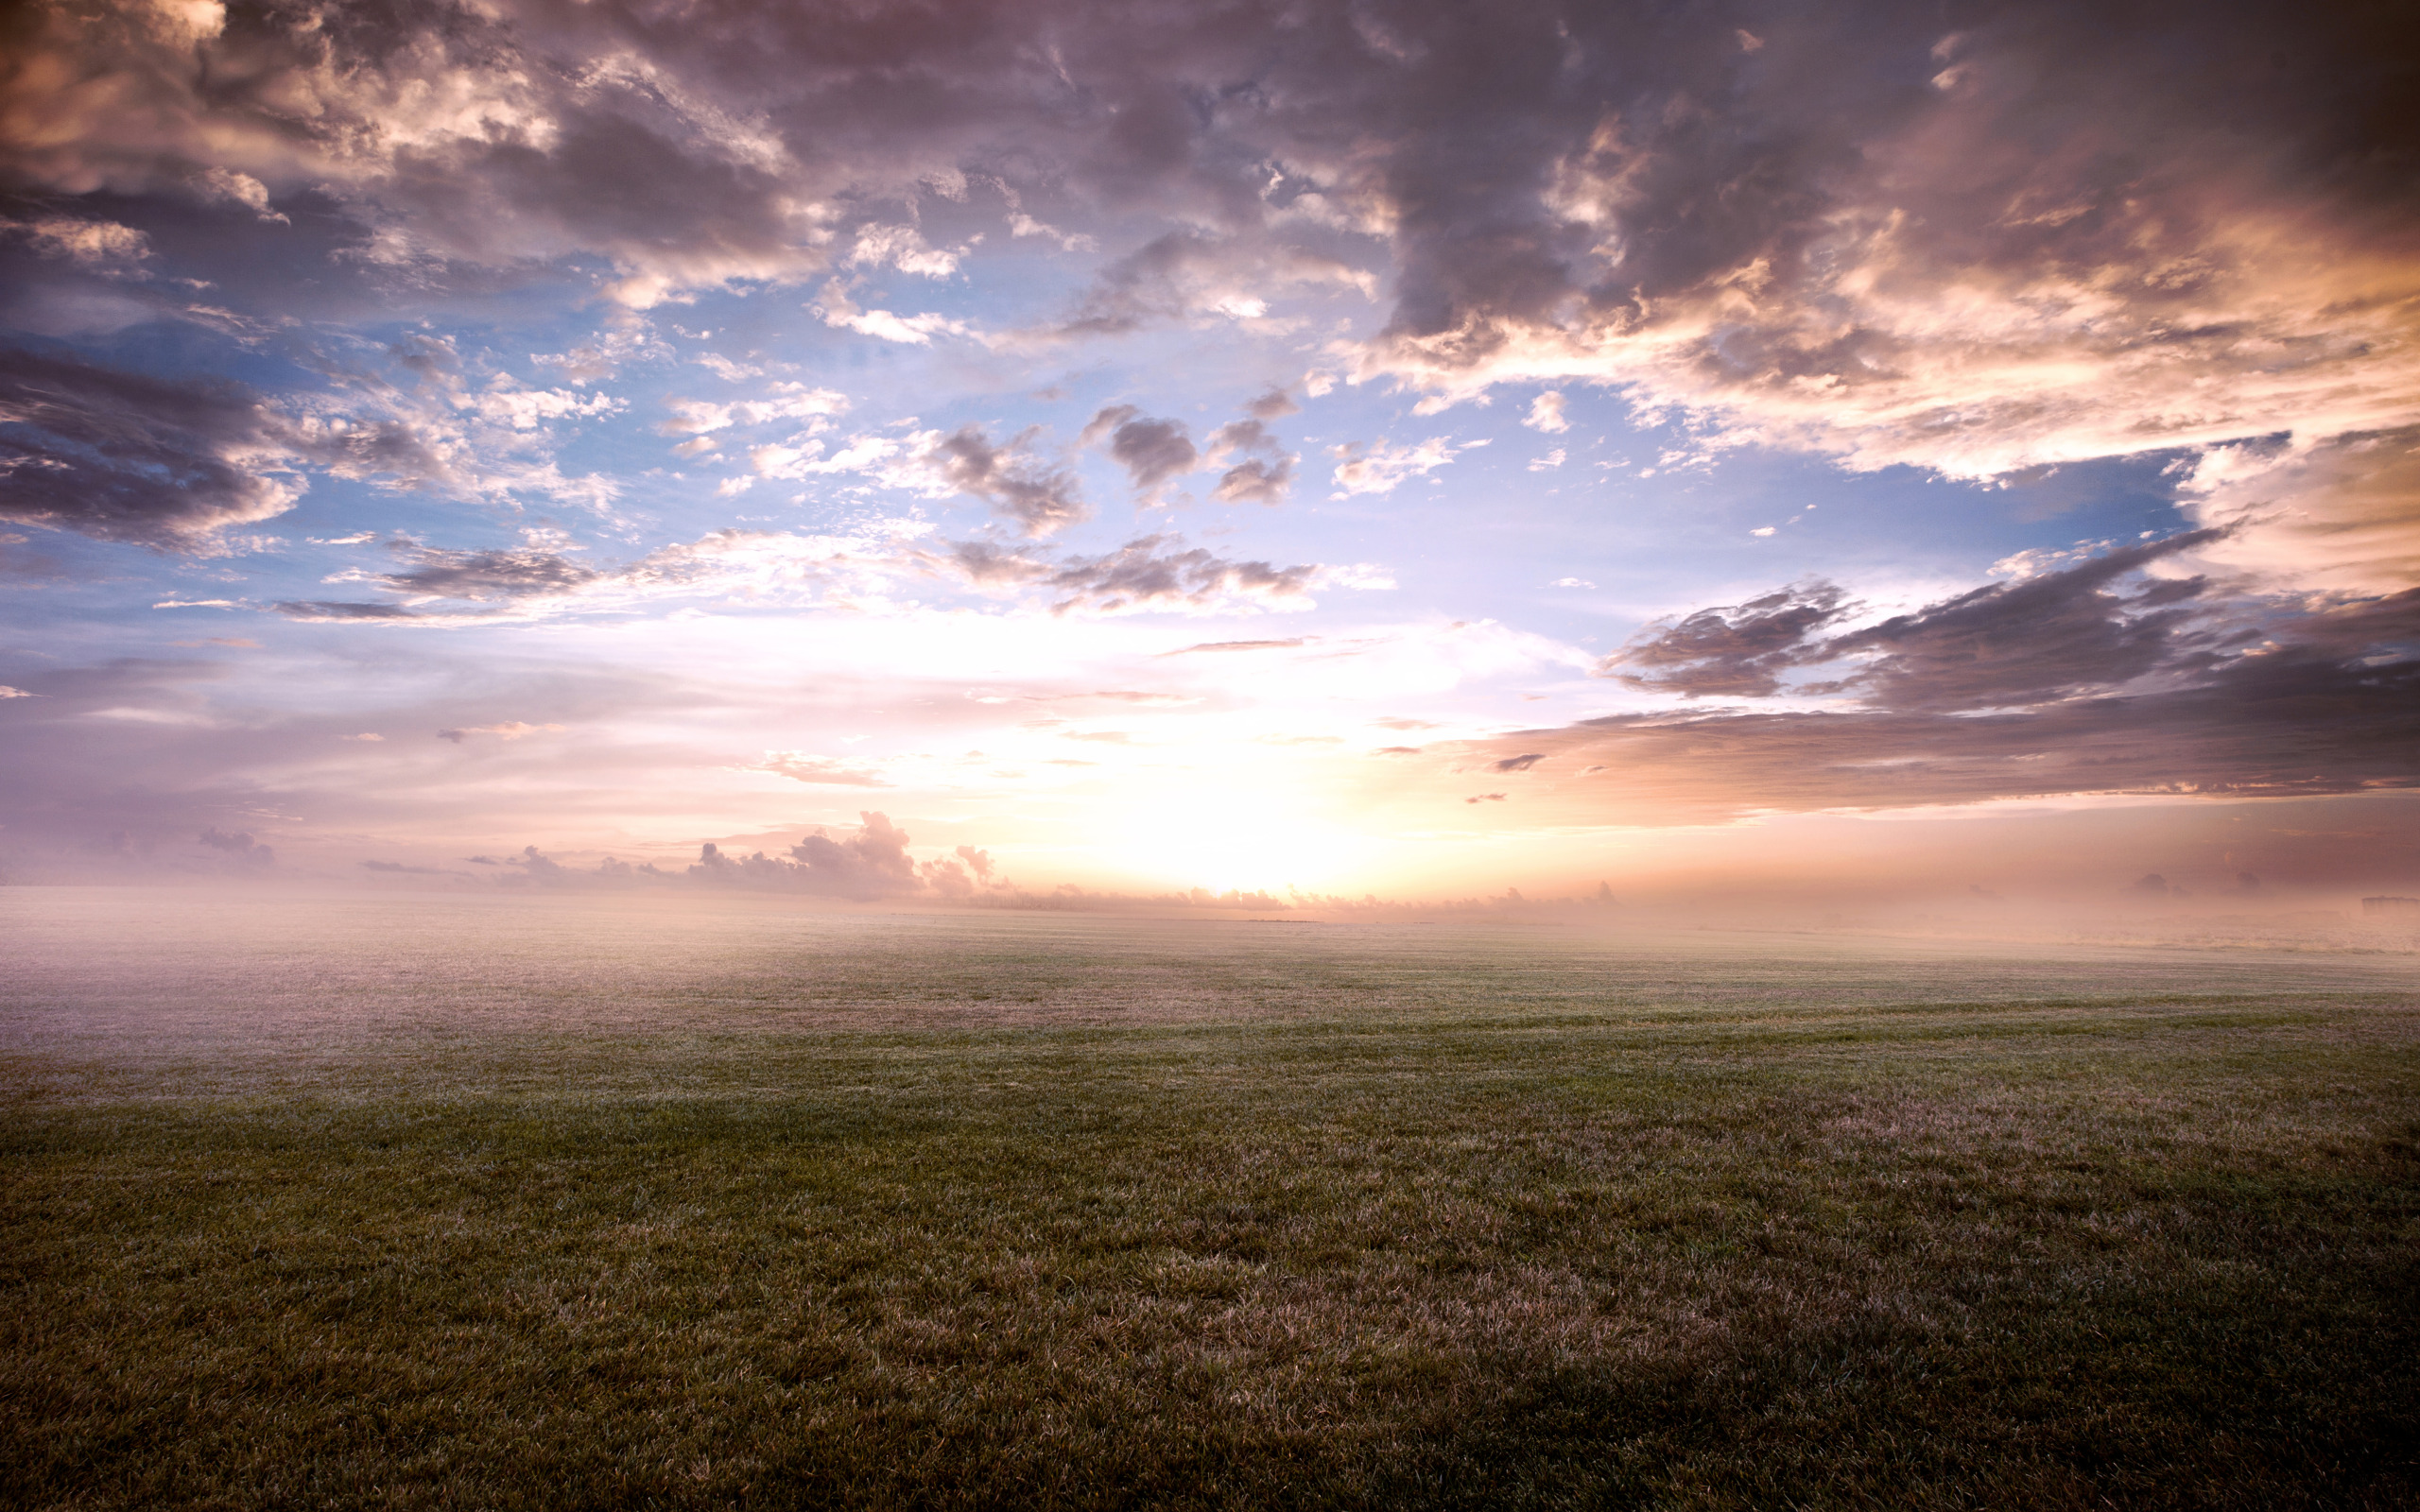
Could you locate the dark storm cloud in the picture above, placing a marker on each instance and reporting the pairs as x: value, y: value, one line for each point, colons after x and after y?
x: 1150, y: 451
x: 1040, y: 498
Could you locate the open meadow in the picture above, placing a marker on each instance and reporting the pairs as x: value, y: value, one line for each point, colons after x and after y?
x: 400, y: 1202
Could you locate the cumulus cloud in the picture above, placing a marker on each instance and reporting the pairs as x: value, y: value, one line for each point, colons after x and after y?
x: 1150, y: 572
x: 91, y: 244
x: 1159, y: 572
x: 1972, y: 253
x: 1266, y: 470
x: 437, y: 588
x: 1363, y: 468
x: 870, y: 864
x: 1151, y: 451
x: 837, y: 309
x: 1546, y: 413
x: 902, y: 248
x: 1040, y: 498
x: 2333, y: 514
x: 2010, y: 245
x: 783, y: 401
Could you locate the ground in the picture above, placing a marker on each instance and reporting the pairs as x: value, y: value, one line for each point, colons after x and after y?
x: 347, y: 1203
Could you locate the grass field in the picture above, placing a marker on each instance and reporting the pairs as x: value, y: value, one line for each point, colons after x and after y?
x: 400, y: 1204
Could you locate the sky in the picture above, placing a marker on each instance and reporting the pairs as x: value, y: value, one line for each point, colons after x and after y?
x: 982, y: 453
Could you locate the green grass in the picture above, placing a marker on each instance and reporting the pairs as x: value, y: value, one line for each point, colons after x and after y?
x: 1025, y: 1213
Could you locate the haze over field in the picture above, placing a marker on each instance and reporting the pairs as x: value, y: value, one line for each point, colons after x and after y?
x: 956, y: 452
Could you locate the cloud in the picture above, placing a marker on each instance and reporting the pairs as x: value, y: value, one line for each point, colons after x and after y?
x: 2333, y: 514
x: 786, y: 400
x: 1241, y: 646
x: 486, y: 575
x: 2055, y: 635
x: 1161, y: 572
x: 439, y: 587
x: 1229, y: 272
x: 1376, y: 469
x: 903, y: 248
x: 94, y: 244
x: 118, y: 455
x: 2004, y: 247
x: 2276, y: 726
x: 1519, y: 764
x: 173, y: 463
x: 240, y: 845
x: 873, y: 863
x: 800, y: 767
x: 1041, y: 499
x: 2064, y: 683
x: 321, y: 611
x: 1150, y: 451
x: 1545, y: 414
x: 1977, y: 251
x: 1262, y: 478
x: 1737, y: 649
x: 835, y: 308
x: 510, y: 730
